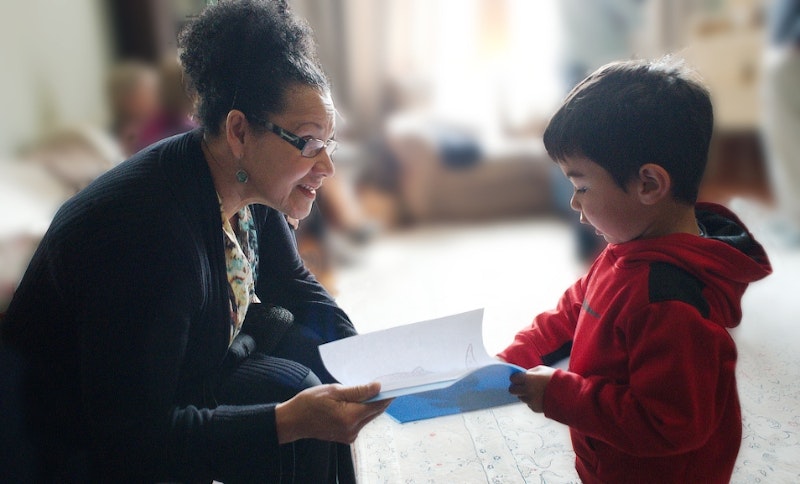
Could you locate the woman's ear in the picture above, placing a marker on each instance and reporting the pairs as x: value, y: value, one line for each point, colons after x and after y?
x: 654, y: 183
x: 236, y: 125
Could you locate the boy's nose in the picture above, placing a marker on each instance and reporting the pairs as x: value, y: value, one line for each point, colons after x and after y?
x: 573, y: 203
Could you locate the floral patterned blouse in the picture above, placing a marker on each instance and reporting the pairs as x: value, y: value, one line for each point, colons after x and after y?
x: 241, y: 258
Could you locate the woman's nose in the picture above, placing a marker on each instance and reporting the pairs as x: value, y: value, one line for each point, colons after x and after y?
x: 325, y: 164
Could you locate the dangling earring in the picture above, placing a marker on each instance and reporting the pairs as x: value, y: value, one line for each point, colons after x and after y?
x: 241, y: 175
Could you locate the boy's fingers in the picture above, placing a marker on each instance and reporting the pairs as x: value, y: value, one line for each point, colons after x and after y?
x: 515, y: 389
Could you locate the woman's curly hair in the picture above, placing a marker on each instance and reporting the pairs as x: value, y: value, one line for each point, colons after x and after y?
x: 245, y: 55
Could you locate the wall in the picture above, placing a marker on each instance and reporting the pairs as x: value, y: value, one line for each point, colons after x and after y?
x: 54, y: 55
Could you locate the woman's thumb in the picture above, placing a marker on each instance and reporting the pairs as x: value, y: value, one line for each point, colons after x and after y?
x: 360, y: 393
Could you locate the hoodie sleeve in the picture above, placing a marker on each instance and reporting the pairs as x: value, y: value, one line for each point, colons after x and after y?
x: 549, y: 338
x: 681, y: 378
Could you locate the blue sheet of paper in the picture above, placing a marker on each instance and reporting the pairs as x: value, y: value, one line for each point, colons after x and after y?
x: 431, y: 368
x: 484, y: 388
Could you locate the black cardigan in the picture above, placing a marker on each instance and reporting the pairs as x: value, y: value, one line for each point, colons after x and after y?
x: 123, y: 318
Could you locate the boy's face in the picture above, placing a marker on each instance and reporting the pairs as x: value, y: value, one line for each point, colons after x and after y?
x: 618, y: 216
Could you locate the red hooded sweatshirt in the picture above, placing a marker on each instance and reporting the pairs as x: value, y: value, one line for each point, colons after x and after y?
x: 650, y: 394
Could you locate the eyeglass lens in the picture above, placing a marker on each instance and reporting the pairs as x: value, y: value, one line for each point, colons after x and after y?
x: 314, y: 146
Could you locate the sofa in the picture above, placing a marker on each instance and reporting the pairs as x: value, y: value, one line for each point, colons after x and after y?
x: 447, y: 172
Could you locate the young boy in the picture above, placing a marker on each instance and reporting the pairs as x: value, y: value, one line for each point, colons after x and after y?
x: 650, y: 394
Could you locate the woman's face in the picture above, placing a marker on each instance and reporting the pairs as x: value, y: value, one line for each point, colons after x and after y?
x: 280, y: 176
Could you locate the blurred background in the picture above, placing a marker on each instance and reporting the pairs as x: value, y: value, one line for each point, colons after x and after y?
x: 443, y: 103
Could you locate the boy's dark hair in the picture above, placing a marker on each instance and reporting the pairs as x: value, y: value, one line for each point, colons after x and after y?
x: 245, y: 55
x: 630, y: 113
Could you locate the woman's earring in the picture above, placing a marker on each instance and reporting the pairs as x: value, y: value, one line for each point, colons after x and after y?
x: 242, y: 176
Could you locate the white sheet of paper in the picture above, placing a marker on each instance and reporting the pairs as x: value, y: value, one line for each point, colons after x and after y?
x: 407, y: 359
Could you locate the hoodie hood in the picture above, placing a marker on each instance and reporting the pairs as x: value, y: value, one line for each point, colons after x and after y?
x: 726, y: 258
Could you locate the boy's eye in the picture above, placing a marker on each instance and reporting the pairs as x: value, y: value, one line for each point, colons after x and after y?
x: 580, y: 190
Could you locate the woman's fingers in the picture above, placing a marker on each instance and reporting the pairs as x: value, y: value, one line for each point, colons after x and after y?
x: 328, y: 412
x: 358, y: 393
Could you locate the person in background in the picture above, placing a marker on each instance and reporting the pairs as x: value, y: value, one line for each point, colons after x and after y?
x: 133, y: 99
x: 598, y: 32
x: 167, y: 324
x: 781, y: 115
x: 650, y: 392
x: 175, y: 112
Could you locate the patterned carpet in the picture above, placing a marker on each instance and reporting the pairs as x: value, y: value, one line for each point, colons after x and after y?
x: 514, y: 270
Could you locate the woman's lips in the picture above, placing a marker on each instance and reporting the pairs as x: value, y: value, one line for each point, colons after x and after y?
x: 308, y: 190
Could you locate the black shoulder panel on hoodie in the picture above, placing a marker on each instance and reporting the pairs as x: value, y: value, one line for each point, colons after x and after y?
x: 670, y: 283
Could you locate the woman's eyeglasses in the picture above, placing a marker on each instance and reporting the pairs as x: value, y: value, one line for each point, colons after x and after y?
x: 309, y: 147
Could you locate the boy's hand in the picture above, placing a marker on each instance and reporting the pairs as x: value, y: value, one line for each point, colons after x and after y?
x: 529, y: 386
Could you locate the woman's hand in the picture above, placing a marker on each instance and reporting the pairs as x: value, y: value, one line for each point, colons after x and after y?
x: 529, y: 386
x: 328, y: 412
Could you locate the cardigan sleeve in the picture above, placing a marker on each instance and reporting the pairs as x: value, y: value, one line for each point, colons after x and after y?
x: 138, y: 290
x: 119, y: 321
x: 284, y: 280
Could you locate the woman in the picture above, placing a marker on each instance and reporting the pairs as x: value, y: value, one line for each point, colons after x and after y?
x: 151, y: 315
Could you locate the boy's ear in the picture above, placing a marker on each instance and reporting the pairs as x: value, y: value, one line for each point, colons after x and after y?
x: 654, y: 183
x: 236, y: 126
